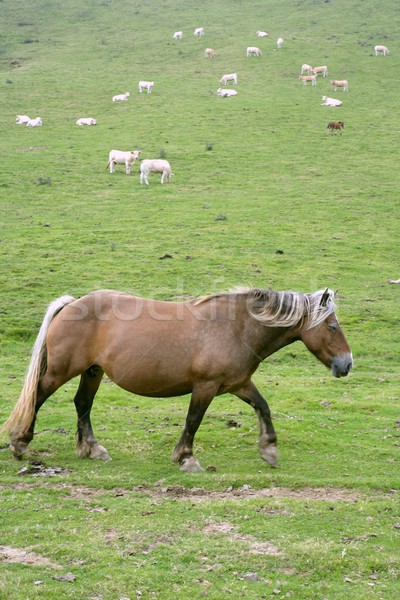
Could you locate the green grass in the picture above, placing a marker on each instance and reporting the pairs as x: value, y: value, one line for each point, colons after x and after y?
x: 329, y: 203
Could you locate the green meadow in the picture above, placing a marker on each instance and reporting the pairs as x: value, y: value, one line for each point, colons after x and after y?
x: 262, y: 195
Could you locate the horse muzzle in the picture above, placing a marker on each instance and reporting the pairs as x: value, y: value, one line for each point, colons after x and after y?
x: 341, y: 365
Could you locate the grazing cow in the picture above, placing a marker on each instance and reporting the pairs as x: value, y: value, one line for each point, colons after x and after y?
x: 117, y: 157
x: 121, y: 97
x: 279, y: 42
x: 306, y: 78
x: 178, y: 35
x: 253, y: 51
x: 146, y: 85
x: 262, y: 34
x: 330, y: 101
x: 344, y: 84
x: 86, y: 121
x: 34, y: 122
x: 226, y: 92
x: 157, y: 165
x: 231, y: 77
x: 336, y: 126
x: 22, y: 119
x: 209, y: 53
x: 323, y: 70
x: 199, y: 32
x: 306, y: 69
x: 383, y: 50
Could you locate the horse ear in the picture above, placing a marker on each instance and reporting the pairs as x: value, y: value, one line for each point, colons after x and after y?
x: 325, y: 297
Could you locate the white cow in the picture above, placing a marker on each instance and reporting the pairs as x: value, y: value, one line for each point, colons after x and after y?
x: 199, y: 32
x: 226, y: 92
x: 178, y: 35
x: 117, y: 157
x: 253, y: 51
x: 305, y: 68
x: 323, y: 70
x: 86, y: 121
x: 262, y: 34
x: 231, y: 77
x: 146, y: 85
x: 121, y: 97
x: 381, y: 50
x: 279, y: 43
x: 156, y: 165
x: 209, y: 53
x: 21, y: 119
x: 330, y: 101
x: 340, y: 83
x: 306, y: 78
x: 34, y: 122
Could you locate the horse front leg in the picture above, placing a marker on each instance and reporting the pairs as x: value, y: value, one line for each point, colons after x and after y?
x: 202, y: 395
x: 86, y: 444
x: 267, y: 439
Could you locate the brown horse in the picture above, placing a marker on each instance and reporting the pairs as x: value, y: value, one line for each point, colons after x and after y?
x: 206, y: 347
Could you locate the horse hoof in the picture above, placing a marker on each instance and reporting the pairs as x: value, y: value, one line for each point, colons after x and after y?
x: 18, y: 450
x: 270, y: 455
x: 191, y: 465
x: 99, y: 453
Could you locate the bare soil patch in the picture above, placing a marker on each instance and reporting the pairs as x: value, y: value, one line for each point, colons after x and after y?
x: 25, y: 556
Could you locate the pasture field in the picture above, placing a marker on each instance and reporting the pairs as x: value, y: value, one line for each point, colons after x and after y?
x: 262, y: 195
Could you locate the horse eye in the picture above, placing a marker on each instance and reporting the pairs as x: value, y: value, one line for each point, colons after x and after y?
x: 332, y: 326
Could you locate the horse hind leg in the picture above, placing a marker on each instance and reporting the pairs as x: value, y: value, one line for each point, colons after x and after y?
x: 86, y: 444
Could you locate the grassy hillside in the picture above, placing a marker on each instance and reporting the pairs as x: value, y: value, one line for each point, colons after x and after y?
x: 262, y: 195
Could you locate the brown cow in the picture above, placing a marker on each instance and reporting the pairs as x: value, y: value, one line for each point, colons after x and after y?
x: 335, y: 126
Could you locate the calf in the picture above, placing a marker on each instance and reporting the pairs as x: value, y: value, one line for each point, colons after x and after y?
x: 231, y: 77
x: 146, y: 85
x: 121, y: 97
x: 323, y: 70
x: 199, y: 32
x: 306, y: 78
x: 156, y: 165
x: 330, y: 101
x: 381, y: 50
x: 117, y: 157
x: 343, y: 83
x: 209, y: 53
x: 226, y: 92
x: 336, y: 126
x: 86, y: 121
x: 253, y: 51
x: 306, y: 69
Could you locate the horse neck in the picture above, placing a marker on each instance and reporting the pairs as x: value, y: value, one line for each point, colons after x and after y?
x: 271, y: 339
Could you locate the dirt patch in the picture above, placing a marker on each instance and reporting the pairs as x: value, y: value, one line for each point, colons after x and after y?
x: 200, y: 494
x: 254, y: 546
x: 25, y: 556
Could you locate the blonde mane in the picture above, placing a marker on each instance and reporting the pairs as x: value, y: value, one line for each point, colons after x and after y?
x: 283, y: 309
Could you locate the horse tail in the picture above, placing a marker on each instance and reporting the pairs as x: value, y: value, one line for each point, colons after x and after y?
x: 24, y: 411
